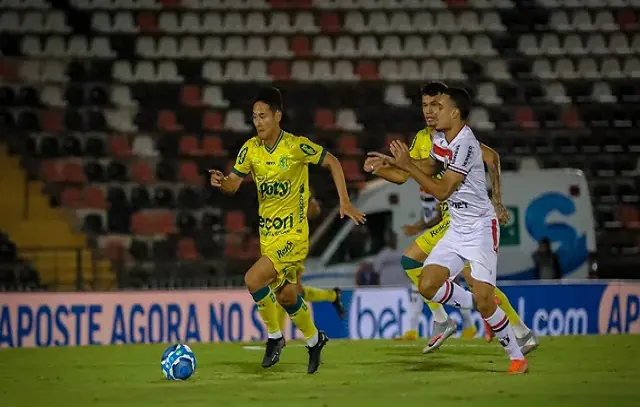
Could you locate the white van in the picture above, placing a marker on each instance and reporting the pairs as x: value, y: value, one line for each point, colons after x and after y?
x: 543, y: 203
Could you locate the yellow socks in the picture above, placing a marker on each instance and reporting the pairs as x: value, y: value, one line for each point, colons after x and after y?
x: 519, y: 327
x: 312, y: 294
x: 282, y: 317
x: 506, y: 307
x: 268, y: 309
x: 300, y: 315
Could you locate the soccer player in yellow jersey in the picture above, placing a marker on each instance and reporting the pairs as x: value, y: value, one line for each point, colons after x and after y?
x: 416, y: 254
x: 278, y: 162
x: 314, y: 294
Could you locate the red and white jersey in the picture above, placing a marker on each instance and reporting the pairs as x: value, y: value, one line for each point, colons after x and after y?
x: 429, y: 206
x: 469, y: 205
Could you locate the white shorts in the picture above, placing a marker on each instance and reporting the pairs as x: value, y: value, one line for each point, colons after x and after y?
x: 479, y: 248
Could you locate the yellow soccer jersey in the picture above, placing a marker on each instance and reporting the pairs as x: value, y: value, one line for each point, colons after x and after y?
x: 420, y: 150
x: 281, y: 175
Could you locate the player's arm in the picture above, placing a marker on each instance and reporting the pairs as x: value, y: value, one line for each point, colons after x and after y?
x: 311, y: 153
x: 442, y: 188
x: 492, y: 159
x: 435, y: 220
x: 229, y: 184
x: 378, y: 164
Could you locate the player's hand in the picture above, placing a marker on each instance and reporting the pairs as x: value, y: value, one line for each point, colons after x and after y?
x: 400, y: 152
x: 373, y: 164
x: 501, y: 212
x: 382, y: 159
x: 346, y: 209
x: 215, y: 178
x: 410, y: 230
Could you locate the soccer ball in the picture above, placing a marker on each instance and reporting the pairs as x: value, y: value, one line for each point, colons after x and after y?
x: 178, y: 362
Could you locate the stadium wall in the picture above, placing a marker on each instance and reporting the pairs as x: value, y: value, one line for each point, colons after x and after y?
x: 77, y: 319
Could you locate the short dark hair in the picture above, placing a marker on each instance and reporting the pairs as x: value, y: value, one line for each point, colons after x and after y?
x: 461, y: 99
x: 433, y: 88
x: 271, y: 97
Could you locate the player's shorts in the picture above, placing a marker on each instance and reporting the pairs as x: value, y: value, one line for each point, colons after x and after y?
x: 428, y: 239
x: 479, y: 248
x: 287, y: 253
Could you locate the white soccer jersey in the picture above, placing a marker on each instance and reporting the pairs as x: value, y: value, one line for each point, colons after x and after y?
x: 473, y: 235
x: 429, y: 206
x: 470, y: 202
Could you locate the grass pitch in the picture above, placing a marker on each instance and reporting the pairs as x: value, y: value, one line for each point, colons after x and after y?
x: 567, y: 371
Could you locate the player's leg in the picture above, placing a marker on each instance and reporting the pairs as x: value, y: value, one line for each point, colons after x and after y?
x: 313, y: 294
x: 412, y: 263
x: 484, y: 295
x: 469, y: 330
x: 258, y: 280
x: 525, y: 337
x: 298, y: 310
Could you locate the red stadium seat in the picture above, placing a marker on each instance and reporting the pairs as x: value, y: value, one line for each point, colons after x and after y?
x: 189, y: 173
x: 190, y: 96
x: 212, y: 121
x: 571, y: 119
x: 234, y: 221
x: 348, y: 145
x: 627, y: 20
x: 8, y: 70
x: 94, y: 198
x: 212, y: 146
x: 233, y: 246
x: 146, y: 21
x: 164, y: 222
x: 367, y: 71
x: 630, y: 217
x: 142, y: 173
x: 52, y: 121
x: 141, y: 224
x: 525, y: 118
x: 115, y: 250
x: 189, y: 145
x: 72, y: 197
x: 279, y: 71
x: 51, y: 170
x: 119, y: 146
x: 187, y: 249
x: 330, y: 23
x: 352, y: 171
x: 300, y: 46
x: 324, y: 119
x: 72, y: 172
x: 167, y: 121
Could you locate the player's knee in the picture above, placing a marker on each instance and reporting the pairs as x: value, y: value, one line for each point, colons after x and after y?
x: 288, y: 295
x: 428, y: 285
x: 252, y: 282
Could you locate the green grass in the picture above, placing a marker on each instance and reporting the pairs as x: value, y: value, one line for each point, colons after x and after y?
x: 568, y: 371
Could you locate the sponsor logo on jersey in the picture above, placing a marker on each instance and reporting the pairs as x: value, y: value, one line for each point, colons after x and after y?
x: 302, y: 213
x: 439, y: 228
x: 285, y: 250
x: 307, y: 149
x: 467, y: 158
x: 458, y: 204
x: 276, y: 224
x: 274, y: 189
x: 284, y: 163
x: 242, y: 155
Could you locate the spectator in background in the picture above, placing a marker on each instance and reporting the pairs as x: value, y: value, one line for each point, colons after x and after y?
x: 387, y: 263
x: 546, y: 261
x: 367, y: 276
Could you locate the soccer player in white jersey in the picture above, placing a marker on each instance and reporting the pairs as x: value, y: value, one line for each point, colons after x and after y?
x: 474, y: 234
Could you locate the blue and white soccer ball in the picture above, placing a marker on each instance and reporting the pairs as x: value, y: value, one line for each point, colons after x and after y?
x: 178, y: 362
